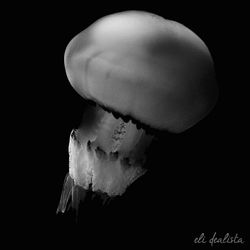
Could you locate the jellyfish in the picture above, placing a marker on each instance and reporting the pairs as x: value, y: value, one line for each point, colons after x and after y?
x: 138, y: 71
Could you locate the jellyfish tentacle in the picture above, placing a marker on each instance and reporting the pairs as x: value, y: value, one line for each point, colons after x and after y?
x: 68, y: 187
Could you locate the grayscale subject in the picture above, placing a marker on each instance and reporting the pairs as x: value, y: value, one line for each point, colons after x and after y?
x: 137, y: 70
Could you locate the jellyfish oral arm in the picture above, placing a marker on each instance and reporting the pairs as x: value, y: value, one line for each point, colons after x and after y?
x: 106, y: 158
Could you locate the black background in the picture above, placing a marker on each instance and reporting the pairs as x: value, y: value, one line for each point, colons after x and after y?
x: 198, y: 179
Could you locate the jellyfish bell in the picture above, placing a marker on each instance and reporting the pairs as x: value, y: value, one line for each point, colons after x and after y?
x: 138, y: 64
x: 138, y: 68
